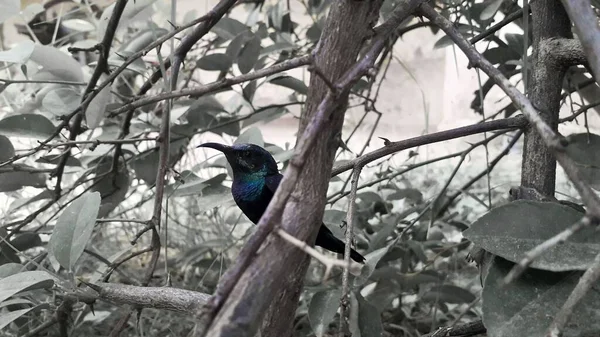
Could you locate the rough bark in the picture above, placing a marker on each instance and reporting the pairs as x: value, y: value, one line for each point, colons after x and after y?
x: 549, y: 21
x: 275, y: 277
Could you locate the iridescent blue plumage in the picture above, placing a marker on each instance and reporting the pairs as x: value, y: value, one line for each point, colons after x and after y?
x: 255, y: 180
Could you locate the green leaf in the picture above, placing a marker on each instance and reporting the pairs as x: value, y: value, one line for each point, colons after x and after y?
x: 372, y: 259
x: 248, y: 91
x: 527, y: 306
x: 55, y: 160
x: 322, y: 309
x: 9, y: 317
x: 10, y: 268
x: 215, y: 62
x: 235, y: 46
x: 113, y: 186
x: 13, y: 181
x: 27, y: 125
x: 249, y: 55
x: 145, y: 165
x: 513, y: 229
x: 7, y: 150
x: 141, y: 40
x: 61, y: 100
x: 500, y: 55
x: 196, y: 187
x: 265, y: 116
x: 20, y: 53
x: 251, y: 136
x: 97, y: 107
x: 448, y: 294
x: 291, y: 83
x: 73, y: 229
x: 228, y: 28
x: 369, y: 318
x: 28, y: 280
x: 202, y: 113
x: 491, y: 7
x: 277, y: 48
x: 57, y: 63
x: 584, y: 149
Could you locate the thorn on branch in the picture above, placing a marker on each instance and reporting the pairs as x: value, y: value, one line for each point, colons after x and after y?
x: 386, y: 142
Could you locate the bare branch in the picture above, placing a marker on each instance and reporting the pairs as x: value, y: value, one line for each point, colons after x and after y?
x: 166, y: 298
x: 586, y: 25
x: 551, y: 138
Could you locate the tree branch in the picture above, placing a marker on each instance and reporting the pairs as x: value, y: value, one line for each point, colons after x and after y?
x: 550, y: 138
x: 588, y: 32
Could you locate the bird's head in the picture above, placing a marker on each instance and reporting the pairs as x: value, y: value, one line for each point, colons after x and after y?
x: 246, y: 158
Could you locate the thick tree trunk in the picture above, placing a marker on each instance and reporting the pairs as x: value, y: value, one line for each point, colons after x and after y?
x: 275, y: 277
x: 549, y: 21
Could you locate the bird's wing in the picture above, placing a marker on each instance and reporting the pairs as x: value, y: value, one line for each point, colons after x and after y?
x: 273, y: 181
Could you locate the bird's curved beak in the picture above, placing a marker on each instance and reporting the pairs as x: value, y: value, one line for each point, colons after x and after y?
x: 219, y: 147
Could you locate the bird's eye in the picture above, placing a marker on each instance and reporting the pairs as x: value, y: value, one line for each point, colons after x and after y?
x: 246, y: 154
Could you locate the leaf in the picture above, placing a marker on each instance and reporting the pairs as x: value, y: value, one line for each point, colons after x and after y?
x: 372, y: 259
x: 8, y: 317
x: 13, y: 181
x: 61, y: 100
x: 228, y: 28
x: 491, y: 7
x: 516, y: 42
x: 291, y: 83
x: 251, y: 136
x: 500, y: 55
x: 27, y: 280
x: 27, y: 125
x: 321, y: 311
x: 215, y: 62
x: 202, y: 113
x: 57, y: 63
x: 145, y: 165
x: 214, y: 196
x: 248, y: 92
x: 583, y: 149
x: 97, y: 107
x: 10, y: 268
x: 369, y: 318
x: 8, y: 9
x: 235, y: 46
x: 527, y: 306
x: 265, y: 116
x: 7, y: 150
x: 248, y: 55
x: 277, y: 47
x: 55, y: 160
x: 73, y: 229
x: 142, y: 40
x: 196, y: 187
x: 20, y: 53
x: 113, y: 186
x: 448, y: 294
x: 517, y: 227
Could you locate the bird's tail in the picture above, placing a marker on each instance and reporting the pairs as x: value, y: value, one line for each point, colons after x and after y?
x: 327, y: 240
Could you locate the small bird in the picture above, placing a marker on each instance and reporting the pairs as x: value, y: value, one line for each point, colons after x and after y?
x: 255, y: 180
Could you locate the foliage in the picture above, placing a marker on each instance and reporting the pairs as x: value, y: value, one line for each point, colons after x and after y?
x: 78, y: 196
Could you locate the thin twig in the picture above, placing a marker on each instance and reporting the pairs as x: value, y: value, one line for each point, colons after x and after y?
x: 350, y: 217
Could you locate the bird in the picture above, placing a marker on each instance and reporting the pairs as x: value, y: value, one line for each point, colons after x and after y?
x: 255, y: 180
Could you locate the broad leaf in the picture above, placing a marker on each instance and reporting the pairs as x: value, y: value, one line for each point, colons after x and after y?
x: 73, y: 229
x: 20, y: 53
x: 584, y: 149
x: 61, y: 100
x: 27, y: 125
x: 291, y: 83
x: 13, y: 181
x: 251, y: 136
x: 95, y: 110
x: 448, y: 294
x: 145, y: 165
x: 58, y: 64
x: 215, y: 62
x: 321, y: 311
x: 527, y: 306
x: 369, y: 318
x: 28, y: 280
x: 113, y: 186
x: 249, y: 55
x: 9, y: 317
x: 265, y: 116
x: 491, y: 7
x: 228, y: 28
x: 11, y: 268
x: 513, y: 229
x: 372, y: 259
x: 7, y: 150
x: 195, y: 187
